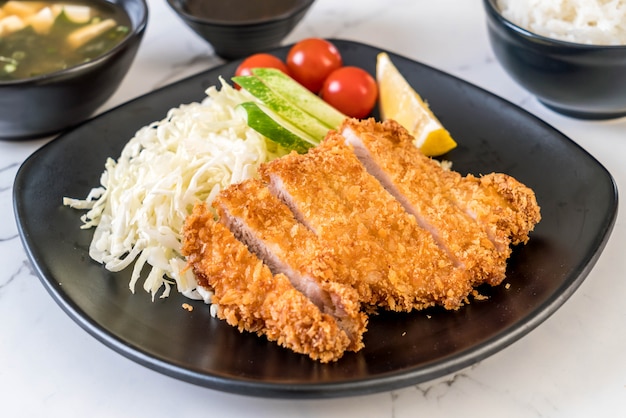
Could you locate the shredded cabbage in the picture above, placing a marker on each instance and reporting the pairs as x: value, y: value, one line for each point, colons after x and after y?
x: 163, y: 171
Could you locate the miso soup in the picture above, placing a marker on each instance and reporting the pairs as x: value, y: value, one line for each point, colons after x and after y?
x: 41, y: 37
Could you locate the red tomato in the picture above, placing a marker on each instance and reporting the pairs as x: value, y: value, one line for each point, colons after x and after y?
x: 351, y: 90
x: 260, y: 61
x: 311, y: 60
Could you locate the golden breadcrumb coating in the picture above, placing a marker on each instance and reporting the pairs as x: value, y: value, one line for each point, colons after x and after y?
x: 420, y: 184
x: 364, y: 220
x: 505, y: 209
x: 390, y: 260
x: 264, y: 223
x: 251, y: 298
x: 516, y: 212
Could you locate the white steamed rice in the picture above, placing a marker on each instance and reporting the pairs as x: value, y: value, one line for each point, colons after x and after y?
x: 596, y: 22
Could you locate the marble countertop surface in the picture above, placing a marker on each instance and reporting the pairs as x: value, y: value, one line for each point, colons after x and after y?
x: 572, y: 365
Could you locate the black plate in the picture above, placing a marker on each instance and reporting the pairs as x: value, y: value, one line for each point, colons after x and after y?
x: 577, y: 195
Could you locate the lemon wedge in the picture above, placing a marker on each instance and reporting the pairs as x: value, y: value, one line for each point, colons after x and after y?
x: 399, y: 101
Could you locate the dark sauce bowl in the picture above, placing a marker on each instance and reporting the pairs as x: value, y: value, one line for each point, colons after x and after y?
x: 238, y: 28
x: 48, y: 104
x: 578, y: 80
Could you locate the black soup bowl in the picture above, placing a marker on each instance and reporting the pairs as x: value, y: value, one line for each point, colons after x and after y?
x: 578, y: 80
x: 50, y: 103
x: 238, y: 28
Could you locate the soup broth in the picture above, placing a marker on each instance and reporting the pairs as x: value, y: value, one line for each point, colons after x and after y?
x: 39, y: 38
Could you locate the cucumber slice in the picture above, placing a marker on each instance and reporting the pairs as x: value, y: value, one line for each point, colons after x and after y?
x: 275, y: 128
x: 300, y: 96
x: 285, y: 109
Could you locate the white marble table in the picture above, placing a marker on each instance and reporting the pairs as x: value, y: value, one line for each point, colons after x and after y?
x: 573, y: 365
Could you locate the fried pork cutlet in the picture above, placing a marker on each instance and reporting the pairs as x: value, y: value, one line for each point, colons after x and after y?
x: 476, y: 219
x: 420, y: 185
x: 505, y: 207
x: 389, y: 258
x: 262, y: 222
x: 363, y: 220
x: 251, y: 298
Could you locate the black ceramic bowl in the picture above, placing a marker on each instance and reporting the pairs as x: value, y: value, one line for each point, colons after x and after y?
x: 47, y: 104
x: 237, y: 28
x: 578, y: 80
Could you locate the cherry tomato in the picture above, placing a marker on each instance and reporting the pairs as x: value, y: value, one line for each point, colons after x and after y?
x: 260, y: 61
x: 351, y: 90
x: 311, y: 60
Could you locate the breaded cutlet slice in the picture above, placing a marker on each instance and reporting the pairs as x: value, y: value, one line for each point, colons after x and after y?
x: 506, y: 209
x: 267, y: 226
x: 502, y: 203
x: 392, y: 261
x: 253, y: 299
x: 420, y: 185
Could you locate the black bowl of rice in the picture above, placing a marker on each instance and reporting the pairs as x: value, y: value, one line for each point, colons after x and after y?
x: 570, y: 54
